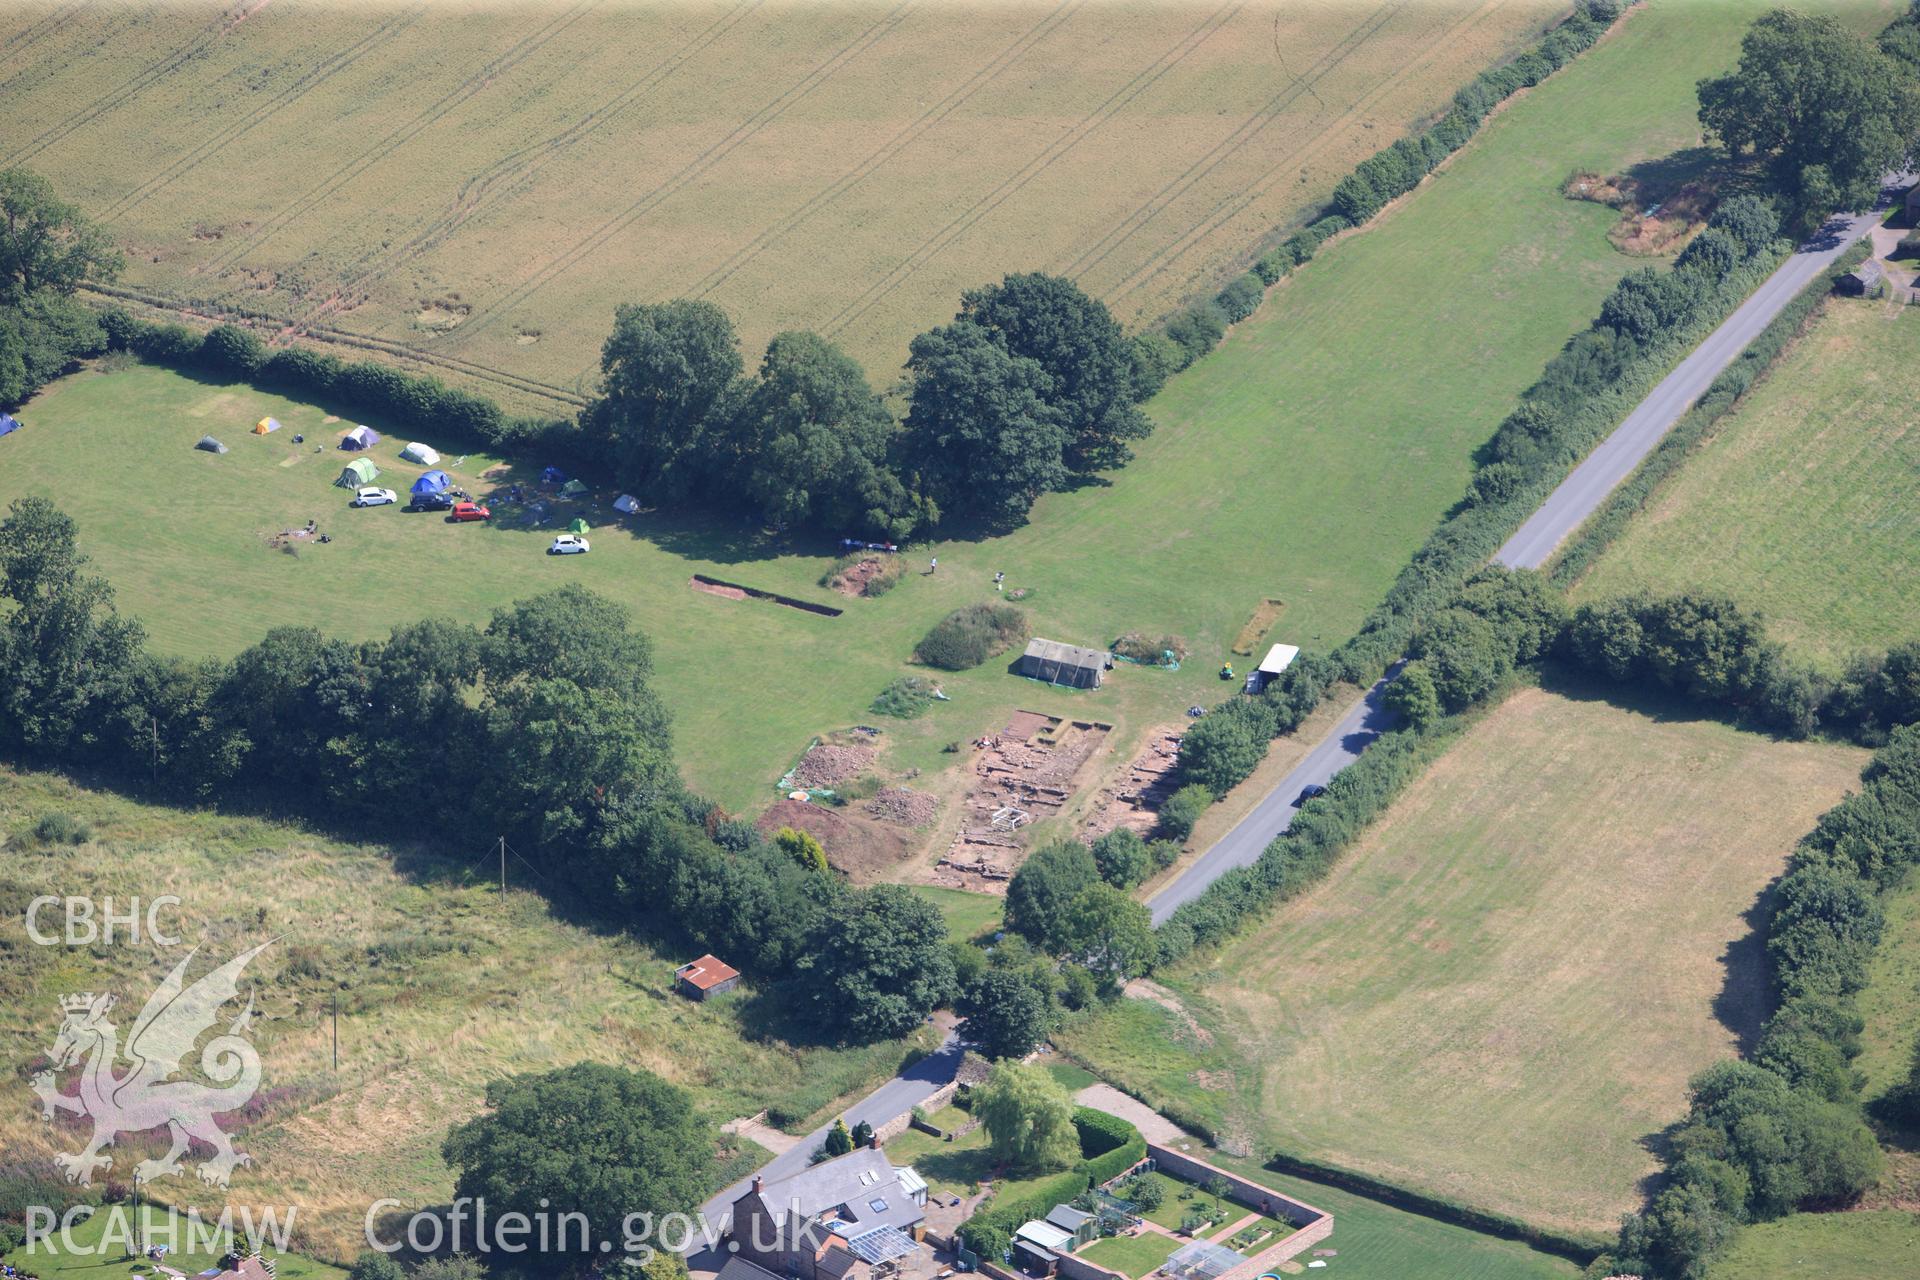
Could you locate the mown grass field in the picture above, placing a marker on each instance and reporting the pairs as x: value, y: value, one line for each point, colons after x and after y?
x: 488, y: 182
x: 1800, y: 504
x: 1890, y: 1002
x: 1833, y: 1246
x: 442, y: 986
x: 1304, y: 461
x: 1499, y: 993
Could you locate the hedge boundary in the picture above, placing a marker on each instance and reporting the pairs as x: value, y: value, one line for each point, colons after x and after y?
x: 1126, y: 1147
x: 1751, y: 367
x: 1196, y: 329
x: 1469, y: 538
x: 1576, y: 1247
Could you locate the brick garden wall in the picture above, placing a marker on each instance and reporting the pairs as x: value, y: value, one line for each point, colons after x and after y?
x: 1311, y: 1225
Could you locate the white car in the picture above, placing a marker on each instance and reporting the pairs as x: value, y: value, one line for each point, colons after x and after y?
x: 373, y: 497
x: 569, y: 544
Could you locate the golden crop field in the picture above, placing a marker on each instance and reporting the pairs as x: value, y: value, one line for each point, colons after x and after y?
x: 484, y: 182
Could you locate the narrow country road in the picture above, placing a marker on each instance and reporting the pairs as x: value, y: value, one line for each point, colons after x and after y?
x: 1582, y: 492
x: 1274, y: 814
x: 894, y: 1098
x: 1565, y: 509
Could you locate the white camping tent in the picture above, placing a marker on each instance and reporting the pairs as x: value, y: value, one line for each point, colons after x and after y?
x: 420, y: 453
x: 626, y: 502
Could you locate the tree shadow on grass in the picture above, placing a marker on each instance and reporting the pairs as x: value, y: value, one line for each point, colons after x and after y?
x: 1658, y: 705
x: 1659, y: 1145
x: 1744, y: 1000
x: 1660, y: 176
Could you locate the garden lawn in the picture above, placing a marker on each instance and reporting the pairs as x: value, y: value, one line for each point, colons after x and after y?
x: 442, y: 987
x: 1801, y: 502
x: 1499, y: 992
x: 1134, y: 1255
x: 1172, y: 1208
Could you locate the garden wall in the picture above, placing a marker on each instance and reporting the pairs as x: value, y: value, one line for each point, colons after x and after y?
x: 939, y: 1098
x: 1073, y: 1267
x: 1311, y: 1225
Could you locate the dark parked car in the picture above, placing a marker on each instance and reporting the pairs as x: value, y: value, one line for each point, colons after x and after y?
x: 442, y: 501
x: 1307, y: 793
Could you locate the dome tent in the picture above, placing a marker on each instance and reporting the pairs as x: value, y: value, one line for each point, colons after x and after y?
x: 420, y: 453
x: 210, y: 445
x: 577, y: 526
x: 265, y: 425
x: 432, y: 482
x: 360, y: 438
x: 626, y: 502
x: 356, y: 473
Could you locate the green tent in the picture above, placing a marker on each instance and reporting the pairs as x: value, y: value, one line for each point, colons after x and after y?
x: 356, y: 473
x: 578, y: 526
x: 572, y: 489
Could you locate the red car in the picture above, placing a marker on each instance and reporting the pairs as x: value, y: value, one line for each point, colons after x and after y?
x: 470, y: 511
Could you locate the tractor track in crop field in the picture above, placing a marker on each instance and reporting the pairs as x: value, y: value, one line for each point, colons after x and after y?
x: 694, y: 168
x: 509, y: 172
x: 20, y: 41
x: 827, y: 196
x: 523, y: 49
x: 1122, y: 96
x: 47, y: 65
x: 130, y: 88
x: 1233, y: 205
x: 311, y: 80
x: 1302, y: 85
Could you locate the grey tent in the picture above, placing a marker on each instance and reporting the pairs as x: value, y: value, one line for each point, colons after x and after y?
x: 1067, y: 664
x: 210, y: 445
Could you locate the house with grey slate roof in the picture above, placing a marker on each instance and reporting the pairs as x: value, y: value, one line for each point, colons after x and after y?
x: 856, y: 1217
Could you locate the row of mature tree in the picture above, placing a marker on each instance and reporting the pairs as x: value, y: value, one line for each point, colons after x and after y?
x: 1030, y: 388
x: 544, y: 719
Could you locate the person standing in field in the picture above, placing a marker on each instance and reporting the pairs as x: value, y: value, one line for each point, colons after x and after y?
x: 933, y: 565
x: 998, y: 579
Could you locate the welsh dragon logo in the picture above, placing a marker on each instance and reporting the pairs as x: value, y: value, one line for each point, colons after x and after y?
x: 145, y: 1095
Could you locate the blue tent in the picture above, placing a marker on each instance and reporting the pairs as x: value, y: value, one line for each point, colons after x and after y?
x: 7, y: 425
x: 432, y: 482
x: 360, y: 438
x: 552, y: 475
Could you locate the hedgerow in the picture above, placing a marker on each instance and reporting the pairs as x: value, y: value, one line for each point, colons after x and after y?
x: 1380, y: 178
x: 1748, y: 368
